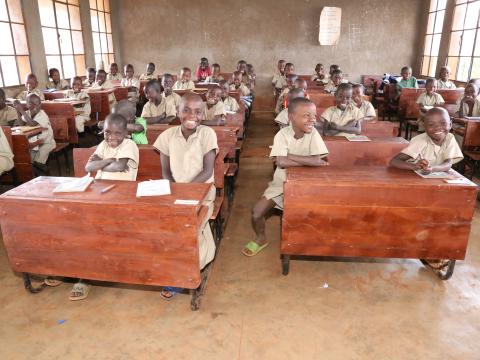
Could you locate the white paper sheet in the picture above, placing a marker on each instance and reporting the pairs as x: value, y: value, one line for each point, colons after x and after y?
x: 74, y: 184
x: 329, y: 25
x: 153, y: 188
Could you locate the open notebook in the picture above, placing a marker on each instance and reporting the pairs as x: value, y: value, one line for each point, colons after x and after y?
x: 70, y: 184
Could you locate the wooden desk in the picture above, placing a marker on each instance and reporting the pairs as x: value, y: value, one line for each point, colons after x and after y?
x: 203, y: 91
x: 378, y: 152
x: 99, y: 103
x: 368, y: 211
x: 21, y: 153
x: 154, y: 243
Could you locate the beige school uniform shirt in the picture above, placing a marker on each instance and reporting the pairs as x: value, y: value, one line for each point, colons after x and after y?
x: 231, y: 104
x: 6, y: 155
x: 334, y: 115
x: 244, y: 90
x: 134, y: 83
x: 279, y: 80
x: 215, y: 110
x: 315, y: 77
x: 41, y: 153
x: 187, y: 85
x: 476, y: 107
x: 211, y: 79
x: 62, y: 85
x: 285, y: 143
x: 186, y: 162
x: 423, y: 147
x: 116, y: 77
x: 445, y: 84
x: 126, y: 150
x: 150, y: 109
x: 281, y: 100
x: 430, y: 100
x: 366, y: 109
x: 282, y: 118
x: 82, y: 112
x: 86, y: 83
x: 173, y: 100
x: 24, y: 94
x: 145, y: 76
x: 7, y: 114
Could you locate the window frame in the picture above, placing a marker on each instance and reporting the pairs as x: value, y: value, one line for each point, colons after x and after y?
x: 109, y: 54
x: 15, y: 55
x: 67, y: 3
x: 432, y: 36
x: 458, y: 56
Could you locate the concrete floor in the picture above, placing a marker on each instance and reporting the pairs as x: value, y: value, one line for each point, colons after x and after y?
x: 378, y: 309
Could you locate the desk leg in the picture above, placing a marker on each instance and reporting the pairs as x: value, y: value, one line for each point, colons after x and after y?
x: 445, y: 272
x: 28, y: 284
x: 285, y: 264
x: 198, y: 292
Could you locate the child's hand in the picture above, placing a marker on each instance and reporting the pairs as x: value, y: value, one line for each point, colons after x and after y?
x: 421, y: 164
x: 469, y: 100
x: 95, y: 157
x: 427, y: 170
x: 18, y: 106
x: 332, y: 126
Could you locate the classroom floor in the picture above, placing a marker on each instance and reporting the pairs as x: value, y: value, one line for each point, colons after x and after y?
x: 335, y: 309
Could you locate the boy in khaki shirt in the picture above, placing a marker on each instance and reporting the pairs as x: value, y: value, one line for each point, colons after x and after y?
x: 187, y: 155
x: 7, y: 113
x: 6, y: 155
x: 343, y: 119
x: 238, y: 85
x: 231, y: 104
x: 132, y: 83
x: 35, y: 116
x: 185, y: 82
x: 149, y: 72
x: 157, y: 110
x: 91, y: 73
x: 172, y: 98
x: 291, y: 78
x: 56, y: 83
x: 297, y: 145
x: 435, y: 150
x: 31, y: 87
x: 116, y: 158
x: 101, y: 83
x: 282, y: 117
x: 367, y: 111
x: 336, y: 78
x: 215, y: 113
x: 427, y: 100
x: 114, y: 75
x: 82, y: 112
x: 469, y: 103
x: 444, y: 81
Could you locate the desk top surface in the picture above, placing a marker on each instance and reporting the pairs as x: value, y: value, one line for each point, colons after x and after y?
x: 385, y: 139
x: 41, y: 189
x: 370, y: 175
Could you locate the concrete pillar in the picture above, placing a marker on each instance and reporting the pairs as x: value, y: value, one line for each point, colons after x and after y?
x: 87, y: 33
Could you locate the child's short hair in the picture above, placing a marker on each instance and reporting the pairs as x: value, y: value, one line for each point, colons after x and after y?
x: 281, y: 61
x: 113, y: 65
x: 359, y: 86
x: 154, y: 84
x: 292, y: 105
x: 151, y: 64
x: 293, y: 77
x: 117, y: 119
x: 337, y: 72
x: 438, y: 111
x: 52, y: 71
x: 101, y: 71
x: 31, y: 76
x: 472, y: 85
x: 185, y: 69
x: 300, y: 82
x: 75, y: 78
x: 236, y: 73
x: 222, y: 83
x: 430, y: 81
x: 445, y: 67
x: 343, y: 87
x: 211, y: 89
x: 128, y: 66
x: 318, y: 65
x: 90, y: 69
x: 203, y: 59
x: 166, y: 76
x: 334, y: 67
x: 243, y: 62
x: 34, y: 97
x: 125, y: 105
x: 288, y: 64
x: 406, y: 68
x: 215, y: 66
x: 294, y: 93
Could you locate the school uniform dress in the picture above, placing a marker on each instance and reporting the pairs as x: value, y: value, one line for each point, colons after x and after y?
x: 6, y: 155
x: 366, y: 109
x: 173, y: 101
x: 140, y: 138
x: 24, y: 94
x: 107, y: 85
x: 334, y: 115
x: 186, y: 162
x: 150, y: 109
x: 145, y: 76
x: 466, y: 108
x: 126, y: 150
x: 82, y: 112
x: 449, y: 85
x: 116, y: 77
x: 284, y: 143
x: 62, y: 85
x: 282, y: 118
x: 131, y: 83
x: 231, y: 104
x: 184, y: 85
x: 423, y: 147
x: 7, y: 114
x: 215, y: 110
x: 40, y: 154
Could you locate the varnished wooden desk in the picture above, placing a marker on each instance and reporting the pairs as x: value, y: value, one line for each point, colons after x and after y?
x: 368, y: 211
x: 113, y: 236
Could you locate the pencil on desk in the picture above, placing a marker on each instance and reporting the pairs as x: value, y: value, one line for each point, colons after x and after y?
x: 108, y: 188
